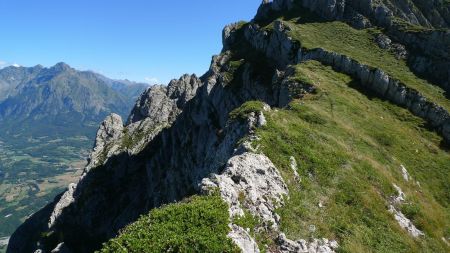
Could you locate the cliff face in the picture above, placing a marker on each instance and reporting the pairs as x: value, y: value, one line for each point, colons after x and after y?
x: 201, y: 136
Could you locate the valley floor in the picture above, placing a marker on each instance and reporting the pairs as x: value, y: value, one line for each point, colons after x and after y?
x: 33, y: 172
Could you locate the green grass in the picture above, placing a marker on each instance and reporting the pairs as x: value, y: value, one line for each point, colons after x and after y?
x: 243, y: 111
x: 349, y: 148
x: 405, y: 26
x: 359, y: 45
x: 232, y: 73
x: 127, y: 140
x: 131, y: 139
x: 199, y: 224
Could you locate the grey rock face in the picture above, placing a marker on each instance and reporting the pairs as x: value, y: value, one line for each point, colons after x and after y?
x: 243, y: 239
x: 4, y: 241
x: 405, y: 223
x: 110, y: 144
x: 66, y: 199
x: 111, y: 129
x: 294, y: 167
x: 290, y: 89
x: 61, y: 248
x: 418, y: 12
x: 164, y: 103
x: 385, y: 42
x: 23, y: 238
x: 229, y: 36
x: 157, y: 109
x: 255, y: 177
x: 402, y: 220
x: 108, y: 133
x: 303, y: 246
x: 250, y: 181
x: 269, y: 6
x: 183, y: 89
x: 276, y: 45
x: 446, y: 128
x: 191, y: 146
x: 153, y: 103
x: 405, y: 173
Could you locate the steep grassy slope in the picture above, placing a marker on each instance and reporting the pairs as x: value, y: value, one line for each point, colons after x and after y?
x: 349, y: 148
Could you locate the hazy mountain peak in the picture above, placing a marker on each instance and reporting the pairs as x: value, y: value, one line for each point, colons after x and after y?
x: 57, y: 92
x: 61, y: 66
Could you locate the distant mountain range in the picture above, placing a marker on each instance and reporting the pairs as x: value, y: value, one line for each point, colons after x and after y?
x: 60, y: 100
x: 48, y: 121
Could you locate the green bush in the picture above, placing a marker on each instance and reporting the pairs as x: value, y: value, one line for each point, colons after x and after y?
x: 198, y: 225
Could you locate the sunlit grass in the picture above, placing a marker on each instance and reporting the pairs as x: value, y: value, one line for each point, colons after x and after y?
x: 349, y: 148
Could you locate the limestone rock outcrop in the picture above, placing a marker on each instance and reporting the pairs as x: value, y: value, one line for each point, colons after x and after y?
x: 163, y: 103
x: 251, y: 182
x: 243, y: 240
x: 402, y: 220
x: 302, y: 246
x: 110, y: 130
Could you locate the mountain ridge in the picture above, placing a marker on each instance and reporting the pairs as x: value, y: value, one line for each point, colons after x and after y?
x: 313, y: 147
x: 45, y: 94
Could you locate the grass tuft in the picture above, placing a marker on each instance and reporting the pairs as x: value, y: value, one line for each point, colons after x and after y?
x: 242, y: 112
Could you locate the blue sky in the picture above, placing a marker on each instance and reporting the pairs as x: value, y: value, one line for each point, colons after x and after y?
x: 141, y: 40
